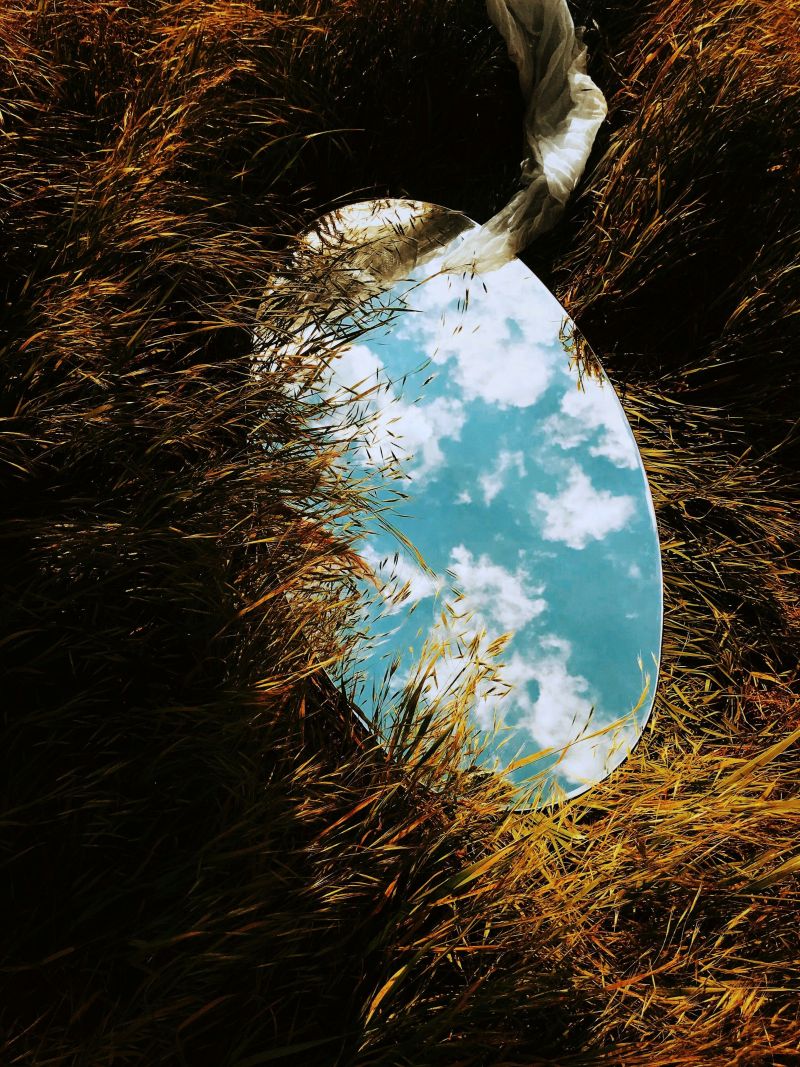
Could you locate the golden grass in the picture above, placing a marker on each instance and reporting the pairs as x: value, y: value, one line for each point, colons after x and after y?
x: 206, y: 859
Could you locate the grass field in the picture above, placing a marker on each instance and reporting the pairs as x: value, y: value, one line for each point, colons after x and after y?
x: 205, y: 862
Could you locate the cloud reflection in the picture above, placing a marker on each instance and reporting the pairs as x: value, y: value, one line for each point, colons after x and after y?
x: 529, y: 504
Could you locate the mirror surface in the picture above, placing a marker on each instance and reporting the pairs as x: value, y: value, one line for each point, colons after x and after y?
x: 523, y: 510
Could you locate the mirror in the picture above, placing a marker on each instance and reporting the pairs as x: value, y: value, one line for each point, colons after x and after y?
x: 519, y: 526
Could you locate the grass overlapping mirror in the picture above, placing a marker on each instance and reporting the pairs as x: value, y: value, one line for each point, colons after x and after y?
x: 513, y: 546
x: 511, y: 563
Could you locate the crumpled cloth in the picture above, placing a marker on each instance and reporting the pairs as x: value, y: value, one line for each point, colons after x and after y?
x: 372, y: 244
x: 563, y: 112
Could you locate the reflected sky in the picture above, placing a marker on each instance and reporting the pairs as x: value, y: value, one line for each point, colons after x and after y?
x: 527, y: 501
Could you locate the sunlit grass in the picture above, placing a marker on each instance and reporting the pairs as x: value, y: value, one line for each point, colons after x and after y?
x: 207, y: 859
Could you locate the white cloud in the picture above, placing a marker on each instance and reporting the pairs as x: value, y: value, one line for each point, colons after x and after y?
x: 466, y: 661
x: 380, y: 424
x: 498, y: 341
x: 563, y: 717
x: 356, y: 370
x: 420, y: 429
x: 634, y: 571
x: 563, y: 706
x: 594, y: 410
x: 498, y: 371
x: 497, y: 598
x: 564, y: 714
x: 403, y: 582
x: 464, y: 497
x: 580, y: 513
x: 492, y: 481
x: 494, y: 601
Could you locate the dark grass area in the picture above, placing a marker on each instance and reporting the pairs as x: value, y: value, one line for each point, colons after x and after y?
x: 204, y: 861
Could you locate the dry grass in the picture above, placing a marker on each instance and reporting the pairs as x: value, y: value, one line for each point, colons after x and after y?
x: 205, y: 861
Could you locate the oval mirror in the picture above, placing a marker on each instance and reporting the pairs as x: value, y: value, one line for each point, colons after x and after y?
x: 519, y: 527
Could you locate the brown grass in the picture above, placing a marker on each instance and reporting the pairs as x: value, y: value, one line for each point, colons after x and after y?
x: 206, y: 861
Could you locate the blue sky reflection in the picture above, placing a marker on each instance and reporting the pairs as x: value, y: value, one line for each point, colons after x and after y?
x: 529, y: 504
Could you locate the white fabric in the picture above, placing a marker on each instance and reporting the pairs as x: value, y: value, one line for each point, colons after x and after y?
x: 563, y: 112
x: 376, y: 242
